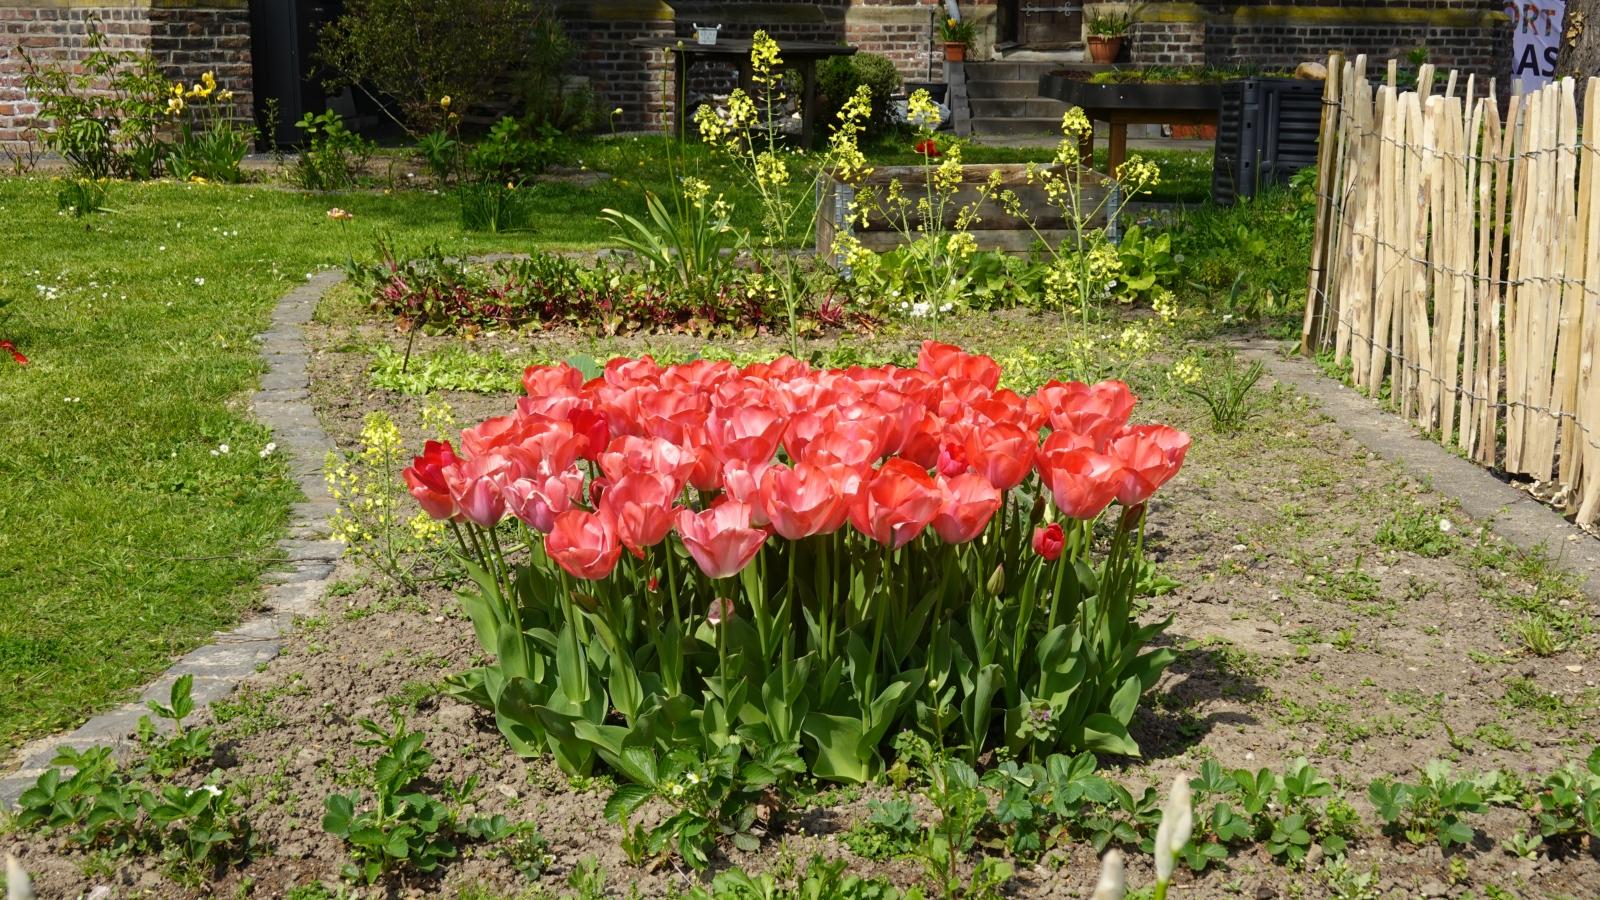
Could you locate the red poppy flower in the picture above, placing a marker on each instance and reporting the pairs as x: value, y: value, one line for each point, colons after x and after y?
x: 15, y: 353
x: 927, y: 147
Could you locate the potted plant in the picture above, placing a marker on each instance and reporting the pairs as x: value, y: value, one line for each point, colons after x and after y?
x: 1107, y: 31
x: 957, y: 36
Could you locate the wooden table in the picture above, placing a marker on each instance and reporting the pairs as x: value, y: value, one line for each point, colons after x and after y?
x: 1121, y: 105
x: 800, y: 56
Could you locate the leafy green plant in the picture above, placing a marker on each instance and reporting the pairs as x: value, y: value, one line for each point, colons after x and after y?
x: 334, y: 157
x: 1431, y: 809
x: 1415, y: 529
x: 98, y: 804
x: 520, y: 843
x: 839, y: 77
x: 1146, y: 262
x: 201, y: 828
x: 687, y: 247
x: 210, y: 143
x: 402, y: 826
x: 963, y: 808
x: 505, y: 155
x: 101, y: 111
x: 442, y: 153
x: 1225, y: 390
x: 81, y: 197
x: 186, y: 746
x: 1568, y: 805
x: 821, y: 879
x: 492, y: 206
x: 713, y: 792
x: 1112, y: 24
x: 891, y: 829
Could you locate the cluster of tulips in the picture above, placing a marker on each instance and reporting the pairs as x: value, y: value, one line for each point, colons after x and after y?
x: 870, y: 547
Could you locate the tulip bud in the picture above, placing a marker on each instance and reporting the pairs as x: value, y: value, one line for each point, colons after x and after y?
x: 997, y: 580
x: 18, y: 885
x: 721, y: 608
x: 1177, y: 822
x: 1111, y: 886
x: 1038, y: 507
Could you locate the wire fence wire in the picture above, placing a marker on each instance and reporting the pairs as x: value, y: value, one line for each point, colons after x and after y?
x: 1466, y: 243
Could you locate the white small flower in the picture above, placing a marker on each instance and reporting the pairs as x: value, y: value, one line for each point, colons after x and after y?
x: 921, y: 309
x: 162, y: 248
x: 268, y: 449
x: 1444, y: 525
x: 222, y: 450
x: 199, y: 282
x: 693, y: 778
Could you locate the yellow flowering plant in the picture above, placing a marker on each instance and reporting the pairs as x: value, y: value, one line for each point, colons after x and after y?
x: 1084, y: 266
x: 210, y: 141
x: 378, y: 525
x: 933, y: 220
x: 782, y: 180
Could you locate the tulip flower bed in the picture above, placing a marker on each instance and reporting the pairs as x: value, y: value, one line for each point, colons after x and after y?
x: 782, y: 558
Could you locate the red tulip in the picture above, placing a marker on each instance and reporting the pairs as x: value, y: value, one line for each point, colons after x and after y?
x: 896, y: 504
x: 626, y: 373
x: 425, y: 477
x: 552, y: 448
x: 1001, y: 453
x: 720, y: 539
x: 853, y: 444
x: 1149, y: 455
x: 951, y: 362
x: 749, y: 433
x: 1048, y: 541
x: 477, y: 486
x: 641, y: 504
x: 16, y: 354
x: 538, y: 500
x: 594, y: 427
x: 1081, y: 482
x: 629, y: 454
x: 952, y: 459
x: 584, y: 544
x: 539, y: 381
x: 803, y: 501
x: 927, y: 147
x: 494, y: 434
x: 741, y: 482
x: 1075, y: 406
x: 969, y: 503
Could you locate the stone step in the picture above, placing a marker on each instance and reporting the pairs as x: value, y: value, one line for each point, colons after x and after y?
x: 1021, y: 89
x: 1012, y: 125
x: 1006, y: 70
x: 1010, y: 108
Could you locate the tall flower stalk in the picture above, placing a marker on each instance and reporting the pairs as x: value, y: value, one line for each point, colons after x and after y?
x: 747, y: 132
x: 1085, y: 260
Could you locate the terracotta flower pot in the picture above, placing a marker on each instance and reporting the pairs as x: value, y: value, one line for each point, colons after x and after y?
x: 955, y: 51
x: 1104, y: 49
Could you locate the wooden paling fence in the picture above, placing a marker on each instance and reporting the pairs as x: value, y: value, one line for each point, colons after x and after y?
x: 1457, y: 262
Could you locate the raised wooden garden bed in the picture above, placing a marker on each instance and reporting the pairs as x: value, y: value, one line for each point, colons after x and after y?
x: 1121, y: 105
x: 994, y: 228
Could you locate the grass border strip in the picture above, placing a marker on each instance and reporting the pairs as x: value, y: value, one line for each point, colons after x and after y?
x: 283, y: 403
x: 1527, y: 523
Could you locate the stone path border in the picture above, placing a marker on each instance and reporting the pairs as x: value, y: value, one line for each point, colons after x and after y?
x: 1514, y: 515
x: 283, y: 403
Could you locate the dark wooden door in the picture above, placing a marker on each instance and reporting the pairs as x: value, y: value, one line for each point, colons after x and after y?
x: 1049, y: 24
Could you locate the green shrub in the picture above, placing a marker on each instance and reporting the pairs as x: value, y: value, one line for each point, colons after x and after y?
x: 839, y: 76
x: 103, y: 112
x: 418, y: 52
x: 334, y: 156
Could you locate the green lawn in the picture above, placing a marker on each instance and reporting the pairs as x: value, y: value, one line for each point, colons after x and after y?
x: 123, y: 539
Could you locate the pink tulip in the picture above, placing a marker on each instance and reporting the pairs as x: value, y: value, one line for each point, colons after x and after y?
x: 720, y: 539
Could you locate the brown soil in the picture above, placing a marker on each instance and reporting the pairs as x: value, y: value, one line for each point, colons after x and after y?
x: 1301, y: 636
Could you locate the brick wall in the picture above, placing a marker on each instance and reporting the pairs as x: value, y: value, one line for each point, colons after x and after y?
x: 623, y: 76
x: 186, y: 39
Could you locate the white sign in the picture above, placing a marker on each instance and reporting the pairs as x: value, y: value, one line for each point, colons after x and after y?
x: 1536, y: 30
